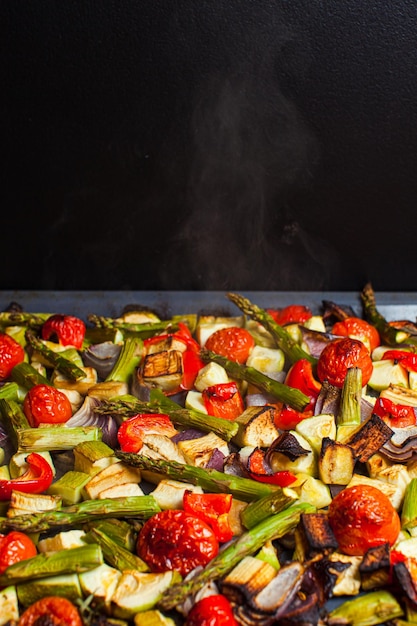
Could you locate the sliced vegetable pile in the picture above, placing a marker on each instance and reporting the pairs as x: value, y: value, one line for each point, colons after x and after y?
x: 208, y: 470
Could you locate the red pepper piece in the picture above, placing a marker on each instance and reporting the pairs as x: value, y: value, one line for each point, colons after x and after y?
x: 37, y: 478
x: 214, y: 610
x: 131, y: 432
x: 69, y: 330
x: 395, y: 415
x: 191, y: 365
x: 291, y: 314
x: 258, y: 470
x: 300, y: 376
x: 212, y: 508
x: 408, y: 360
x: 223, y: 400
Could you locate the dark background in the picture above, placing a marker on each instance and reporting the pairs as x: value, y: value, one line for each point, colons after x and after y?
x: 208, y: 145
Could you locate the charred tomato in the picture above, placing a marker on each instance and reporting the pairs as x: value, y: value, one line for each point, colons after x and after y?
x: 44, y: 404
x: 11, y: 354
x: 341, y: 354
x: 15, y: 547
x: 234, y: 343
x: 69, y: 330
x: 214, y: 610
x: 57, y: 610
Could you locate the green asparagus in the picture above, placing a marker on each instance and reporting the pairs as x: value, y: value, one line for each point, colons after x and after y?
x: 289, y: 395
x: 27, y: 376
x: 115, y: 555
x: 140, y: 507
x: 282, y: 338
x: 56, y: 439
x: 65, y: 366
x: 246, y: 544
x: 211, y: 480
x: 389, y: 335
x: 76, y: 560
x: 13, y: 418
x: 31, y: 320
x: 126, y: 406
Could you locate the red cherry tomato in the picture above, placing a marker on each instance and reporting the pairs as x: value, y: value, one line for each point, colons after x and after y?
x: 15, y: 547
x: 223, y: 400
x: 52, y: 610
x: 291, y: 314
x: 176, y: 540
x: 69, y: 330
x: 214, y: 610
x: 234, y: 343
x: 357, y: 328
x: 44, y: 404
x: 131, y: 432
x: 341, y: 354
x: 363, y: 517
x: 11, y: 353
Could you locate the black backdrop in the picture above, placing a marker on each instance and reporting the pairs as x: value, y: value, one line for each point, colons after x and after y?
x: 245, y: 144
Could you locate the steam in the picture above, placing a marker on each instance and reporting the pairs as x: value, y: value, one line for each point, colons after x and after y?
x: 252, y: 152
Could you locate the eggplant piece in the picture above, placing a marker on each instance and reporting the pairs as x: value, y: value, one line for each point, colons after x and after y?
x: 328, y: 400
x: 336, y: 462
x: 288, y: 445
x: 375, y: 568
x: 256, y: 427
x: 369, y: 438
x: 314, y: 536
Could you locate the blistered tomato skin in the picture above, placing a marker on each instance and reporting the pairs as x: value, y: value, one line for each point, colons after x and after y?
x: 44, y: 404
x: 11, y: 354
x: 15, y: 547
x: 69, y: 330
x: 357, y: 328
x: 341, y: 354
x: 363, y: 517
x: 56, y: 611
x: 212, y: 610
x: 234, y: 343
x: 176, y: 540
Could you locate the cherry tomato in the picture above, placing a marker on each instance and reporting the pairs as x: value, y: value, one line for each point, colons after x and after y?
x: 11, y: 353
x: 234, y: 343
x: 341, y: 354
x: 214, y: 610
x: 15, y: 547
x: 176, y: 540
x: 223, y: 400
x: 363, y: 517
x: 54, y: 610
x: 69, y: 330
x: 213, y: 509
x: 44, y: 404
x: 357, y: 328
x: 131, y: 432
x: 291, y: 314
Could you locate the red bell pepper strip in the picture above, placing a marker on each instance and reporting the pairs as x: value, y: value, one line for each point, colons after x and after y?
x: 300, y: 376
x: 408, y: 360
x: 214, y: 610
x: 258, y: 470
x: 395, y: 415
x: 37, y: 478
x: 288, y: 418
x: 223, y: 400
x: 191, y: 365
x: 212, y: 508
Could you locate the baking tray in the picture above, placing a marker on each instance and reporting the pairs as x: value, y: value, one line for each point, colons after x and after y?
x: 393, y: 305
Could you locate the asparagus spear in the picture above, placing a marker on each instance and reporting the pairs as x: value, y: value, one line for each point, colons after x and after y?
x: 65, y: 366
x: 140, y: 330
x: 409, y: 508
x: 27, y: 376
x: 116, y: 555
x: 72, y: 560
x: 140, y: 507
x: 293, y: 397
x: 389, y: 335
x: 283, y: 339
x: 246, y: 544
x: 211, y: 480
x: 126, y: 406
x: 258, y: 510
x: 31, y: 320
x: 13, y: 418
